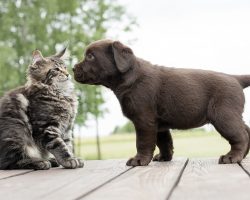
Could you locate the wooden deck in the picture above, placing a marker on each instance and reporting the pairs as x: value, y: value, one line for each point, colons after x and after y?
x: 110, y: 179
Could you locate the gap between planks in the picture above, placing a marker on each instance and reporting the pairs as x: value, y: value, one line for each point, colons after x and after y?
x: 178, y: 180
x: 206, y: 179
x: 61, y: 183
x: 98, y: 187
x: 154, y: 181
x: 245, y: 165
x: 6, y: 174
x: 175, y: 182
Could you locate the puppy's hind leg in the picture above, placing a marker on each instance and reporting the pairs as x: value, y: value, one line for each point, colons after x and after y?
x: 165, y: 145
x: 231, y: 126
x: 248, y: 131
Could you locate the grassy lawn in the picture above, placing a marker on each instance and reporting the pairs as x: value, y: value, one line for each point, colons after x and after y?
x: 186, y: 144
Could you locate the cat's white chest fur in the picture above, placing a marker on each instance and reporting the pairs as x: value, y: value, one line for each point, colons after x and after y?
x: 32, y: 151
x: 66, y: 87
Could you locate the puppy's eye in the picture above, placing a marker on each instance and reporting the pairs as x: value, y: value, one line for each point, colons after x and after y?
x: 90, y: 57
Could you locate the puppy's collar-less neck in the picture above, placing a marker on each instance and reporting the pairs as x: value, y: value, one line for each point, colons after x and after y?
x: 126, y: 82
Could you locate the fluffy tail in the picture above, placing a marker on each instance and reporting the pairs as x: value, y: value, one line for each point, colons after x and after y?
x: 244, y: 80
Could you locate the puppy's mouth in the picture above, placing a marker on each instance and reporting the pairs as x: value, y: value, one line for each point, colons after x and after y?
x: 77, y: 77
x: 84, y: 80
x: 80, y: 77
x: 87, y: 81
x: 78, y: 74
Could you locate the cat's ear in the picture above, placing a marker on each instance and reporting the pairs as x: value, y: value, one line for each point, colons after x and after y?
x: 64, y: 54
x: 36, y: 56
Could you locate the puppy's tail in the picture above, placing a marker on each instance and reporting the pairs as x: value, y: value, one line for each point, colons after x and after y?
x: 244, y: 80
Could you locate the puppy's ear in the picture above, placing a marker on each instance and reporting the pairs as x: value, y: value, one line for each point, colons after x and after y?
x: 123, y: 55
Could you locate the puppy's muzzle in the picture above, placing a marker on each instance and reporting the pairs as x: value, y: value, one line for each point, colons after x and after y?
x: 76, y: 66
x: 78, y: 73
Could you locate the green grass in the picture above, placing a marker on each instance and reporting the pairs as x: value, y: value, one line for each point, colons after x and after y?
x: 186, y: 143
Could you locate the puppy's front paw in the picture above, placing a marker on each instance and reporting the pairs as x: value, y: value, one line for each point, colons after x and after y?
x: 161, y: 158
x: 139, y: 160
x: 72, y: 163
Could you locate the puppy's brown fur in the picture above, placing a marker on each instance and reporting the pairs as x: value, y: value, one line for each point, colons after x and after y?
x: 157, y: 99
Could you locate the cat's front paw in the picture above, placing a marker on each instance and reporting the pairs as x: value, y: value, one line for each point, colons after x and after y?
x: 41, y: 165
x: 72, y: 163
x: 81, y: 163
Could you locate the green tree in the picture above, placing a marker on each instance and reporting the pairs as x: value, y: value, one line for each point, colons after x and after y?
x: 48, y: 25
x: 126, y: 128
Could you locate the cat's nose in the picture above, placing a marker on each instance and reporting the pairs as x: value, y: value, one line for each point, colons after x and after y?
x: 65, y: 73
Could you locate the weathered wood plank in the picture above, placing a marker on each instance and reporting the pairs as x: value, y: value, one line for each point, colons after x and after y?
x: 61, y: 183
x: 150, y: 182
x: 206, y: 179
x: 246, y: 164
x: 11, y: 173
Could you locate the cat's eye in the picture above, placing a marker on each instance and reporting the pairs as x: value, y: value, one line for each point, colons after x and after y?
x: 90, y: 57
x: 57, y: 69
x: 33, y: 67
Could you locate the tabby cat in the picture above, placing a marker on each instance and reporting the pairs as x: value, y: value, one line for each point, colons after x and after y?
x: 36, y: 119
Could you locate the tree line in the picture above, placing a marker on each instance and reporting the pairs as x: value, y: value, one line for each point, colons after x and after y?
x: 49, y: 25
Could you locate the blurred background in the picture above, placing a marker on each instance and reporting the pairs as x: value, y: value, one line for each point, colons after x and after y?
x: 208, y: 34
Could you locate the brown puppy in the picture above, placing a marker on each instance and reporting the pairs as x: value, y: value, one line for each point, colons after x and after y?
x: 157, y: 99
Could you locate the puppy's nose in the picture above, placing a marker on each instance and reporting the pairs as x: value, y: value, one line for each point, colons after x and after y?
x: 74, y: 68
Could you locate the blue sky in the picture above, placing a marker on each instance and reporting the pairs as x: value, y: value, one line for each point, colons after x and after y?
x: 205, y: 34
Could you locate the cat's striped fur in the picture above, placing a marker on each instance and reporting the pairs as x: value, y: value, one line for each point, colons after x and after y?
x: 36, y: 119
